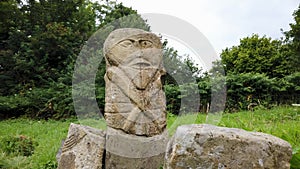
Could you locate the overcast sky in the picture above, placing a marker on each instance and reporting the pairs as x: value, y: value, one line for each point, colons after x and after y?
x: 224, y: 23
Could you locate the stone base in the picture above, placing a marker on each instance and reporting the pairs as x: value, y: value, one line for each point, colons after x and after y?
x: 124, y: 151
x: 207, y: 146
x: 83, y: 148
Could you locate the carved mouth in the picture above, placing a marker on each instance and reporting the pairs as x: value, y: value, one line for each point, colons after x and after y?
x: 140, y: 63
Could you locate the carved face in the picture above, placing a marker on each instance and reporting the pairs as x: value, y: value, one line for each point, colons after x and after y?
x: 139, y: 57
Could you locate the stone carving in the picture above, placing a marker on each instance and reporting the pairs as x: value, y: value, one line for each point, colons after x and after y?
x: 208, y: 146
x: 83, y: 148
x: 135, y: 106
x: 135, y: 101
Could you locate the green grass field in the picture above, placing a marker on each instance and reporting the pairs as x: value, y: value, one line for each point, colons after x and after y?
x: 283, y: 122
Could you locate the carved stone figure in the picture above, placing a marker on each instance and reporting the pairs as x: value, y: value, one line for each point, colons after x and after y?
x: 134, y: 101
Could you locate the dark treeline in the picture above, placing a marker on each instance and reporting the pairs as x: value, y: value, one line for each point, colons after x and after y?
x: 40, y: 42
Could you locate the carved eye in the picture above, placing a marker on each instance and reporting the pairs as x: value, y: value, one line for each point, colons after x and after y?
x: 126, y: 43
x: 146, y: 44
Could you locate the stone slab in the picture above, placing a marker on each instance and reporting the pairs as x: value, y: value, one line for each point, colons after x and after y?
x: 206, y: 146
x: 83, y: 148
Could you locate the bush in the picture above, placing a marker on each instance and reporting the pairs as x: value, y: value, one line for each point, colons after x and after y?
x: 247, y: 90
x: 41, y: 103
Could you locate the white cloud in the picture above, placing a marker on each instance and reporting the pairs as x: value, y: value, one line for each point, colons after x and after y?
x: 225, y: 22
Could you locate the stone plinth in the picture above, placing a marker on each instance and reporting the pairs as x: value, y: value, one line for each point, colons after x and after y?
x: 207, y: 146
x: 83, y: 148
x: 125, y: 151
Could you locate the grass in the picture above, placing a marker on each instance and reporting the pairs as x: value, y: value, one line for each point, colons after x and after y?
x: 283, y: 122
x: 48, y: 135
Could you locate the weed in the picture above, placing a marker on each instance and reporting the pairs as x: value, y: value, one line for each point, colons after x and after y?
x: 18, y: 145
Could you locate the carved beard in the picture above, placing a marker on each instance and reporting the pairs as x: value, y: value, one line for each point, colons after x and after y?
x: 140, y: 67
x: 140, y: 77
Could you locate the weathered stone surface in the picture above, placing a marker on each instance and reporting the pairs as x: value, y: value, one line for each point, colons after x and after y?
x: 83, y: 148
x: 135, y: 101
x: 124, y: 151
x: 206, y: 146
x: 58, y: 154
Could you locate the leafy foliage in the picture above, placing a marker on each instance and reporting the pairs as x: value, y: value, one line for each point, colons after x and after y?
x: 246, y: 91
x: 293, y: 40
x: 40, y: 41
x: 256, y: 55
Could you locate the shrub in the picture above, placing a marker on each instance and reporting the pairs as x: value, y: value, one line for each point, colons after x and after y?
x: 41, y: 103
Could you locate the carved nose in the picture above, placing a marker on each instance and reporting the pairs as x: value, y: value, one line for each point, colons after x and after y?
x: 139, y: 53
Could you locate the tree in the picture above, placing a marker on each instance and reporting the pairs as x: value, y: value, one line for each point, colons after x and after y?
x: 10, y: 17
x: 180, y: 69
x: 39, y: 42
x: 293, y: 41
x: 256, y: 55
